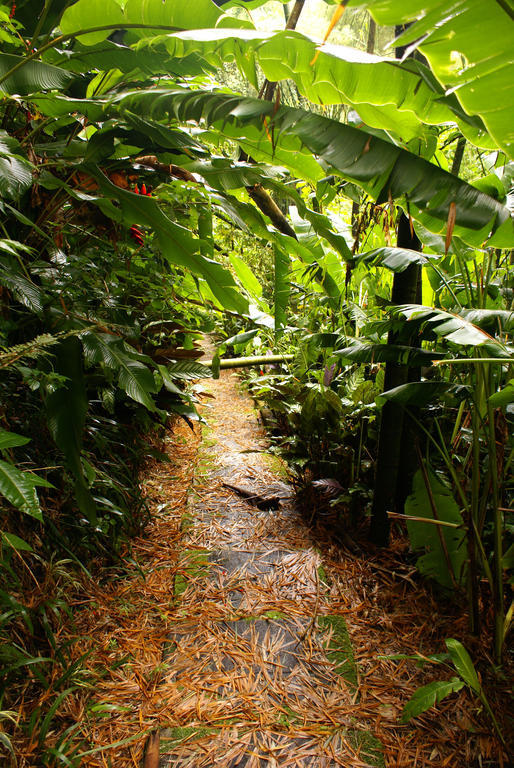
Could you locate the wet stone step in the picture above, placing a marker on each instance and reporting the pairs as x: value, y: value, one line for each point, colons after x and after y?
x: 244, y: 574
x: 264, y: 749
x: 243, y: 667
x: 246, y: 645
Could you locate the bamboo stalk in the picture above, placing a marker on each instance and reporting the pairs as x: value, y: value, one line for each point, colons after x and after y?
x: 247, y: 362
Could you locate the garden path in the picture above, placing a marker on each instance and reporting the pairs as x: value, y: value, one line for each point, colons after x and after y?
x: 259, y: 669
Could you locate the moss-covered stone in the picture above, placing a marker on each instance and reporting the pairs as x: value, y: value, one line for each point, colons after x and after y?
x: 196, y: 564
x: 339, y: 647
x: 173, y: 737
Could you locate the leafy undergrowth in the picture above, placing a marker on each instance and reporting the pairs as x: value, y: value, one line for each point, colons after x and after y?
x: 390, y: 612
x: 120, y: 621
x: 101, y: 699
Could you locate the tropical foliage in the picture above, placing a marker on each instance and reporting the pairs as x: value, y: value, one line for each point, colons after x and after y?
x: 142, y: 205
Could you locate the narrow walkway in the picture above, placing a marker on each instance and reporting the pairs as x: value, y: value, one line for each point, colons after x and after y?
x: 259, y: 668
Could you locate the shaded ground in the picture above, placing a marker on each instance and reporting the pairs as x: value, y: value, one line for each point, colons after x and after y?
x: 253, y: 674
x: 277, y: 643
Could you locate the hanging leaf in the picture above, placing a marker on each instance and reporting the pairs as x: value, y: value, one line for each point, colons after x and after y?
x: 66, y: 409
x: 19, y: 489
x: 452, y: 39
x: 167, y: 14
x: 381, y: 169
x: 428, y: 538
x: 399, y: 96
x: 33, y: 76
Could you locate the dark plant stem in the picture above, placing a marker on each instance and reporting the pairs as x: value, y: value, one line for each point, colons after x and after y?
x: 372, y: 29
x: 459, y: 154
x: 395, y: 463
x: 268, y: 88
x: 392, y: 436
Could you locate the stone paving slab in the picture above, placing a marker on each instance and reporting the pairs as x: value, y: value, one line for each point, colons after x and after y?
x: 262, y: 750
x: 256, y: 676
x: 239, y: 568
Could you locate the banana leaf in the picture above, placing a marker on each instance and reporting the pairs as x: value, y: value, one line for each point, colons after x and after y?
x: 294, y: 138
x: 468, y: 45
x: 391, y: 95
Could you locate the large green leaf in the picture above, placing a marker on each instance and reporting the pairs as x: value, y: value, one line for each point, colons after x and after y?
x: 364, y: 352
x: 66, y: 409
x: 145, y: 14
x: 32, y: 76
x: 245, y: 276
x: 15, y: 170
x: 395, y: 259
x: 24, y: 290
x: 188, y: 370
x: 468, y: 45
x: 133, y: 376
x: 463, y: 664
x: 396, y: 96
x: 427, y: 536
x: 11, y: 440
x: 493, y: 320
x: 15, y: 542
x: 504, y: 397
x: 455, y: 328
x: 108, y: 55
x: 428, y: 695
x: 293, y: 136
x: 19, y: 489
x: 178, y: 245
x: 415, y: 394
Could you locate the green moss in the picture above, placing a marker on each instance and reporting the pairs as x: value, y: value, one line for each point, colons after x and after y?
x: 273, y: 615
x: 186, y: 522
x: 339, y: 648
x: 322, y: 575
x: 277, y: 466
x: 368, y: 747
x: 172, y: 737
x: 288, y: 718
x: 196, y: 564
x: 254, y: 617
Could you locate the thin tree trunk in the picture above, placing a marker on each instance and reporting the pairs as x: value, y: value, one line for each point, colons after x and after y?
x: 392, y: 436
x: 258, y: 194
x: 459, y: 154
x: 268, y: 88
x: 370, y: 48
x: 395, y: 465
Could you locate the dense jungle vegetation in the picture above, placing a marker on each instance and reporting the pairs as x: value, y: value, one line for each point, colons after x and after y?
x: 172, y: 169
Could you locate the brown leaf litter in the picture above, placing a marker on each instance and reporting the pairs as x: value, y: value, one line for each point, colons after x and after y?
x: 228, y: 694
